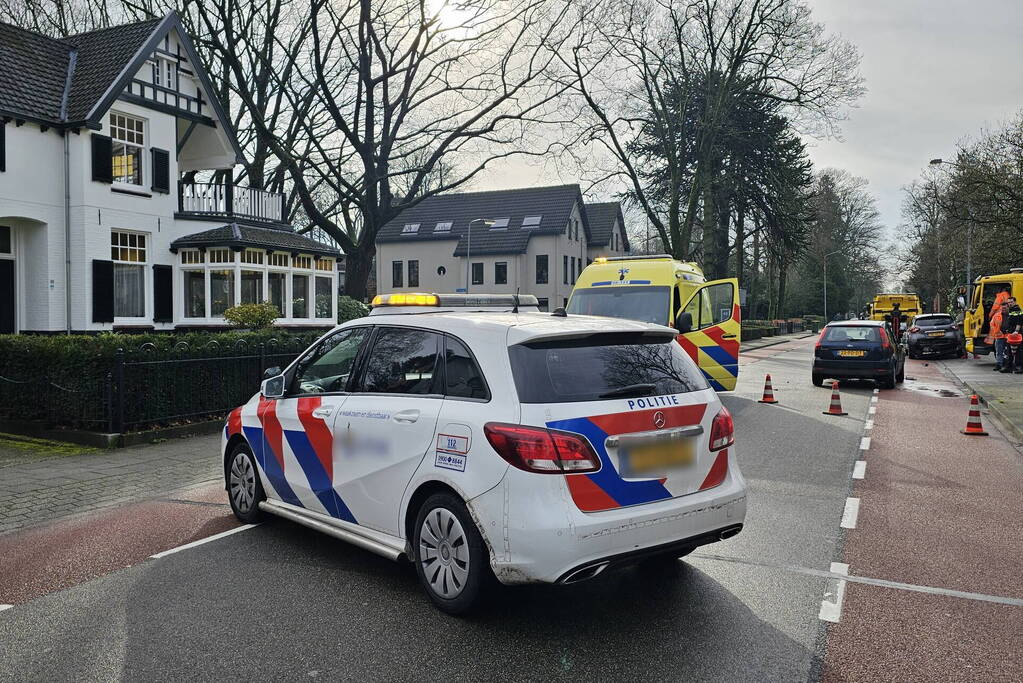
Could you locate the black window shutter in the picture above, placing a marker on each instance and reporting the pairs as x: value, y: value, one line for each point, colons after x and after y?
x: 3, y: 146
x: 102, y: 159
x: 102, y: 291
x: 161, y: 170
x: 163, y: 294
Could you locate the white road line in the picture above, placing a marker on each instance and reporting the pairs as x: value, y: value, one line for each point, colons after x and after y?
x: 873, y: 409
x: 865, y: 443
x: 866, y: 580
x: 859, y: 469
x: 3, y: 607
x: 832, y: 610
x: 873, y: 399
x: 201, y: 541
x: 876, y: 390
x: 851, y: 512
x: 868, y: 425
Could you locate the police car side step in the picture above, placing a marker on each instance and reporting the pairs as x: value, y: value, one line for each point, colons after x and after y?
x: 373, y: 541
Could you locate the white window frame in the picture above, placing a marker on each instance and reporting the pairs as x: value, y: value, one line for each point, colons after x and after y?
x: 144, y: 147
x: 147, y: 285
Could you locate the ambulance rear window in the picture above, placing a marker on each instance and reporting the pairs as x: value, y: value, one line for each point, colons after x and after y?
x: 602, y: 367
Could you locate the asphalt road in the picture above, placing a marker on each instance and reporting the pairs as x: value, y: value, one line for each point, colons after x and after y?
x: 279, y: 601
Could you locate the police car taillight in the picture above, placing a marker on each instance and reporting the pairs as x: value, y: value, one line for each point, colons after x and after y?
x: 722, y: 430
x: 544, y: 451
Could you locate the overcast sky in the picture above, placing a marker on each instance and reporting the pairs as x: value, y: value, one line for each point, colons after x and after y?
x: 936, y: 71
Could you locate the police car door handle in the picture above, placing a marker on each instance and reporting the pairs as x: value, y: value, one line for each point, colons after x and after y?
x: 323, y: 411
x: 406, y: 416
x: 728, y: 336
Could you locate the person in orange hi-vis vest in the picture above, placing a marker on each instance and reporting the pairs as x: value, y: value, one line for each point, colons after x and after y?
x: 995, y: 332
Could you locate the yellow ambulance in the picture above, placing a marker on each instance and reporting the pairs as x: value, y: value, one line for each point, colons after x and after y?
x: 662, y: 290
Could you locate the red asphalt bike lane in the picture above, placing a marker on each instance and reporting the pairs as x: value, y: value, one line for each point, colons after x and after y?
x: 45, y: 559
x: 938, y: 509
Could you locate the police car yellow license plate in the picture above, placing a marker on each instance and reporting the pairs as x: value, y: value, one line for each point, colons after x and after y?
x: 851, y: 354
x: 657, y: 457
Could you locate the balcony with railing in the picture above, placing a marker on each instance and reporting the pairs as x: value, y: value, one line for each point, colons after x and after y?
x: 225, y: 201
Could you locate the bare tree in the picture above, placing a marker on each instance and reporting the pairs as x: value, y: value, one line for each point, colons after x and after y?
x: 634, y: 60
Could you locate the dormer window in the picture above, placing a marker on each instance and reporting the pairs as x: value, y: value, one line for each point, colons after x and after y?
x: 500, y: 223
x: 531, y: 221
x: 443, y: 227
x: 410, y: 229
x: 128, y: 143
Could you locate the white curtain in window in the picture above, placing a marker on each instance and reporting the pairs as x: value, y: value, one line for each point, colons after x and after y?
x: 129, y: 291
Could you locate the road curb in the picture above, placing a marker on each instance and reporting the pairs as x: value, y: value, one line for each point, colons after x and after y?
x: 1005, y: 421
x: 774, y: 342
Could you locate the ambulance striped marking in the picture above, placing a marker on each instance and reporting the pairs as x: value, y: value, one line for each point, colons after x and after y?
x: 606, y: 489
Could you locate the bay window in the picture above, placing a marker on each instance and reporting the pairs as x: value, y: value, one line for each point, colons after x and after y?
x: 278, y: 284
x: 221, y: 291
x: 299, y: 296
x: 128, y: 252
x: 252, y: 287
x: 195, y: 293
x: 324, y: 303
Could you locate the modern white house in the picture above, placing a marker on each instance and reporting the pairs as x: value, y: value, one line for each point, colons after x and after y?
x: 101, y: 226
x: 533, y: 240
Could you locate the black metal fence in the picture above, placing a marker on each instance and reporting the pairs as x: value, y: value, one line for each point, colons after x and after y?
x: 144, y: 388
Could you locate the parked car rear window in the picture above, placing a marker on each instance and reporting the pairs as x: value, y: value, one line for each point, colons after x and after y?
x: 933, y: 321
x: 852, y: 333
x: 587, y: 369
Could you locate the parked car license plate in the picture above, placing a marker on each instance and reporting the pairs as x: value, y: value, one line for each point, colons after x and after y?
x: 852, y: 354
x: 657, y: 457
x: 935, y: 334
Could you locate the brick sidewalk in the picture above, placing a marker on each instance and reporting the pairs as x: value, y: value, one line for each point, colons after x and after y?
x: 45, y: 488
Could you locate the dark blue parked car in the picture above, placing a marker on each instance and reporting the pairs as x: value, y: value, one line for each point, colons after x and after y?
x: 859, y: 349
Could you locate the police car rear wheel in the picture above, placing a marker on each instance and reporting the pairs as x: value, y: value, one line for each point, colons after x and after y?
x: 450, y: 557
x: 244, y: 490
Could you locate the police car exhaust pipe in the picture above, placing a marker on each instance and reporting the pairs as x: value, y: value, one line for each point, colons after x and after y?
x: 729, y: 532
x: 585, y: 573
x: 355, y: 539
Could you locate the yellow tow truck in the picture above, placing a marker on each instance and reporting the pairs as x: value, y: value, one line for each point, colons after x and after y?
x: 883, y: 304
x: 977, y: 316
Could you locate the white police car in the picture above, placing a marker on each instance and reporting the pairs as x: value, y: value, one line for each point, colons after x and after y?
x: 476, y: 435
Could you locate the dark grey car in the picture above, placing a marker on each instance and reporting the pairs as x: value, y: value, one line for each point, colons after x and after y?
x: 935, y: 334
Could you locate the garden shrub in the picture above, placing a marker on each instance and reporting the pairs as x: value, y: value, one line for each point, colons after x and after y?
x: 350, y: 309
x: 252, y: 316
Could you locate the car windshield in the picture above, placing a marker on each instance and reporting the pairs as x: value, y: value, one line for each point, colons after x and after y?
x: 934, y: 321
x: 645, y: 304
x: 602, y: 366
x: 852, y: 333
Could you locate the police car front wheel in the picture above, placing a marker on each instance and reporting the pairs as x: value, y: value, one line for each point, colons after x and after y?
x: 450, y: 556
x: 244, y: 490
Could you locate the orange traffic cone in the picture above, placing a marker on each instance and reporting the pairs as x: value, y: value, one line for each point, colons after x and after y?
x: 768, y: 391
x: 836, y: 402
x: 973, y: 425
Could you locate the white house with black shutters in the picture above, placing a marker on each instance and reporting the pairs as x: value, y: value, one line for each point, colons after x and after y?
x: 101, y: 226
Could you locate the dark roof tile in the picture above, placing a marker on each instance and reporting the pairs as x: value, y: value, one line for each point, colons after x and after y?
x: 602, y: 217
x: 553, y: 203
x: 33, y: 72
x: 235, y: 235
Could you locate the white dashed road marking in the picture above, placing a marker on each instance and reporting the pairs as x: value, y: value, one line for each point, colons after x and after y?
x: 873, y: 409
x: 865, y: 443
x: 868, y: 425
x: 851, y: 512
x: 201, y: 541
x: 3, y: 607
x: 831, y: 610
x: 873, y: 399
x: 860, y: 469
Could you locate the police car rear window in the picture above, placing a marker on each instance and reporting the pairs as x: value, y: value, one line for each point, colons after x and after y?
x: 602, y: 367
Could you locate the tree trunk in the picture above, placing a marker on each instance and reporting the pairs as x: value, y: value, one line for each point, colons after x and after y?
x: 783, y: 271
x: 740, y: 247
x: 358, y: 267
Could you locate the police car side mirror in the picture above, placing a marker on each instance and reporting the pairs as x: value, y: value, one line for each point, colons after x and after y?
x: 684, y: 322
x: 273, y: 387
x: 272, y: 372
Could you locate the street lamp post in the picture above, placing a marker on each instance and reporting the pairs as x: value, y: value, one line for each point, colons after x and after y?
x: 832, y: 253
x: 468, y: 247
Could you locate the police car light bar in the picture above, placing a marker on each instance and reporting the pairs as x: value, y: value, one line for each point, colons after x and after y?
x: 454, y: 300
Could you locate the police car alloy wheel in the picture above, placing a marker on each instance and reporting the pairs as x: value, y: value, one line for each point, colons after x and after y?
x: 449, y: 554
x: 244, y: 490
